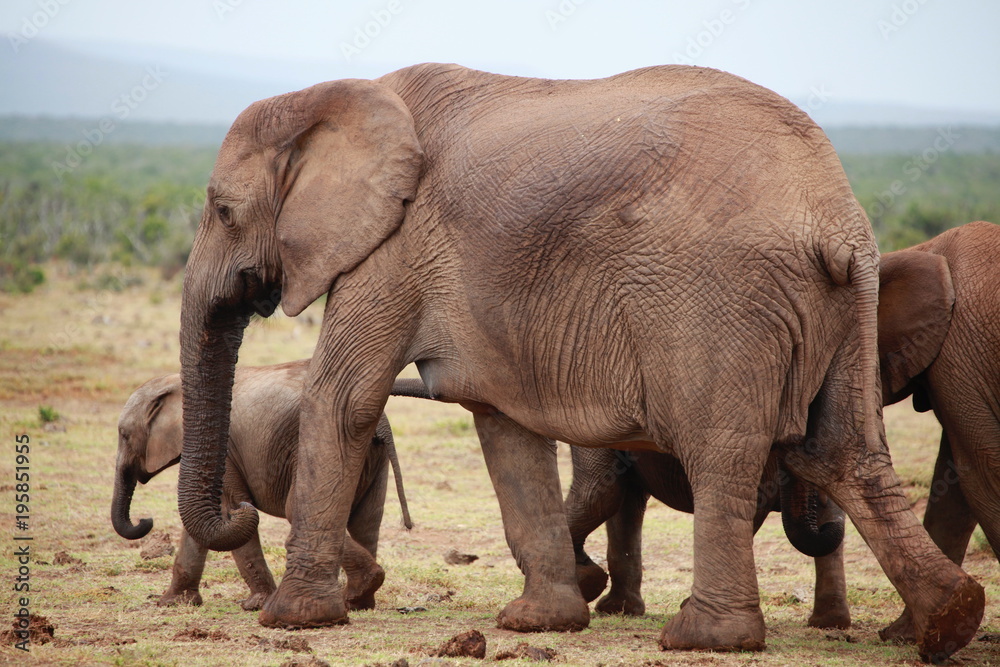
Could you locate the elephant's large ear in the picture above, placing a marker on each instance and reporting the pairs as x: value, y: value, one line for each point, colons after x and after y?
x: 166, y: 431
x: 916, y: 298
x: 349, y: 171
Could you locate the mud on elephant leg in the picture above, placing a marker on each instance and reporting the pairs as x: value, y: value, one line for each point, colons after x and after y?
x: 946, y: 603
x: 625, y: 557
x: 723, y: 612
x: 188, y: 567
x: 522, y: 467
x: 949, y: 521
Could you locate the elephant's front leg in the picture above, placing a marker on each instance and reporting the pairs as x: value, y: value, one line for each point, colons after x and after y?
x: 253, y: 568
x: 523, y: 469
x: 335, y: 434
x: 188, y: 567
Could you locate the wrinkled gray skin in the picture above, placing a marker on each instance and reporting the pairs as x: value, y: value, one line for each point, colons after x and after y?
x: 919, y: 348
x: 669, y: 259
x: 614, y: 487
x: 260, y: 467
x: 961, y: 385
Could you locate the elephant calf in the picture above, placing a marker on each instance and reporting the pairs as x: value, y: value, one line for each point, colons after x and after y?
x: 613, y: 486
x: 259, y: 470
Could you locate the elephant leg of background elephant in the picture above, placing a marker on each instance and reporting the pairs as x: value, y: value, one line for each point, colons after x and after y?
x: 723, y: 611
x: 594, y: 497
x: 188, y: 566
x: 522, y: 466
x: 253, y: 568
x: 830, y: 608
x: 365, y: 521
x: 949, y: 521
x: 364, y: 575
x: 947, y: 604
x: 625, y: 557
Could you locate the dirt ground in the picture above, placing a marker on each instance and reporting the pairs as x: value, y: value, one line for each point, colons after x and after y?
x: 70, y: 357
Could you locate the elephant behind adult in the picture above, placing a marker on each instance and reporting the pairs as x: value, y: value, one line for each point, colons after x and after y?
x: 670, y: 258
x: 613, y: 487
x: 261, y: 462
x: 961, y: 384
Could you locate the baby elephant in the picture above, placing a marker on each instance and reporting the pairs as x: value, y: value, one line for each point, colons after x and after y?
x: 614, y: 486
x: 259, y: 470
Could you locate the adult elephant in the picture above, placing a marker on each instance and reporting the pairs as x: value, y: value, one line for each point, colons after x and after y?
x: 961, y: 384
x: 670, y: 258
x: 916, y: 297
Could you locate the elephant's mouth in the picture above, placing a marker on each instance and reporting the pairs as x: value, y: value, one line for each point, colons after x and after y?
x: 143, y: 477
x: 262, y: 295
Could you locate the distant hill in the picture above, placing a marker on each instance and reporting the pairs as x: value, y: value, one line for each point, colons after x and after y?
x: 847, y: 140
x: 89, y: 80
x: 72, y: 130
x: 914, y: 140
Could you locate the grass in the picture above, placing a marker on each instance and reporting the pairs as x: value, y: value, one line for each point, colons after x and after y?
x: 79, y: 353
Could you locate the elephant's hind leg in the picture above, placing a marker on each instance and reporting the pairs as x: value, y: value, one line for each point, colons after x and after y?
x: 522, y: 466
x: 723, y: 612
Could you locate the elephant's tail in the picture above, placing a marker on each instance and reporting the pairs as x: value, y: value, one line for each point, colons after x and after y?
x: 397, y: 473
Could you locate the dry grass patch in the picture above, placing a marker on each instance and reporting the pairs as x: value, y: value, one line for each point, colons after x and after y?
x: 104, y: 609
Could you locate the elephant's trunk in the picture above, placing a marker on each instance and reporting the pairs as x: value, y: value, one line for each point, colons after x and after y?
x: 799, y: 510
x: 121, y: 504
x: 211, y: 334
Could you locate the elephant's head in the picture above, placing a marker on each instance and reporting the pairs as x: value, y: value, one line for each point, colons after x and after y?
x: 305, y: 187
x: 149, y: 440
x: 916, y: 297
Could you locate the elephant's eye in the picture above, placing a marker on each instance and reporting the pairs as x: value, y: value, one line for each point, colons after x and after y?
x: 225, y: 215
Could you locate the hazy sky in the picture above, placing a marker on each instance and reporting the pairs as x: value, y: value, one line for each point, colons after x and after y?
x: 928, y: 53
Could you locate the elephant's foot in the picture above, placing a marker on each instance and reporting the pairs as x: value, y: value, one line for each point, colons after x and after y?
x: 901, y: 630
x: 256, y: 601
x: 361, y: 587
x: 830, y: 612
x: 953, y: 624
x: 696, y: 627
x: 630, y: 604
x: 592, y: 580
x: 300, y: 604
x: 172, y: 598
x: 561, y: 609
